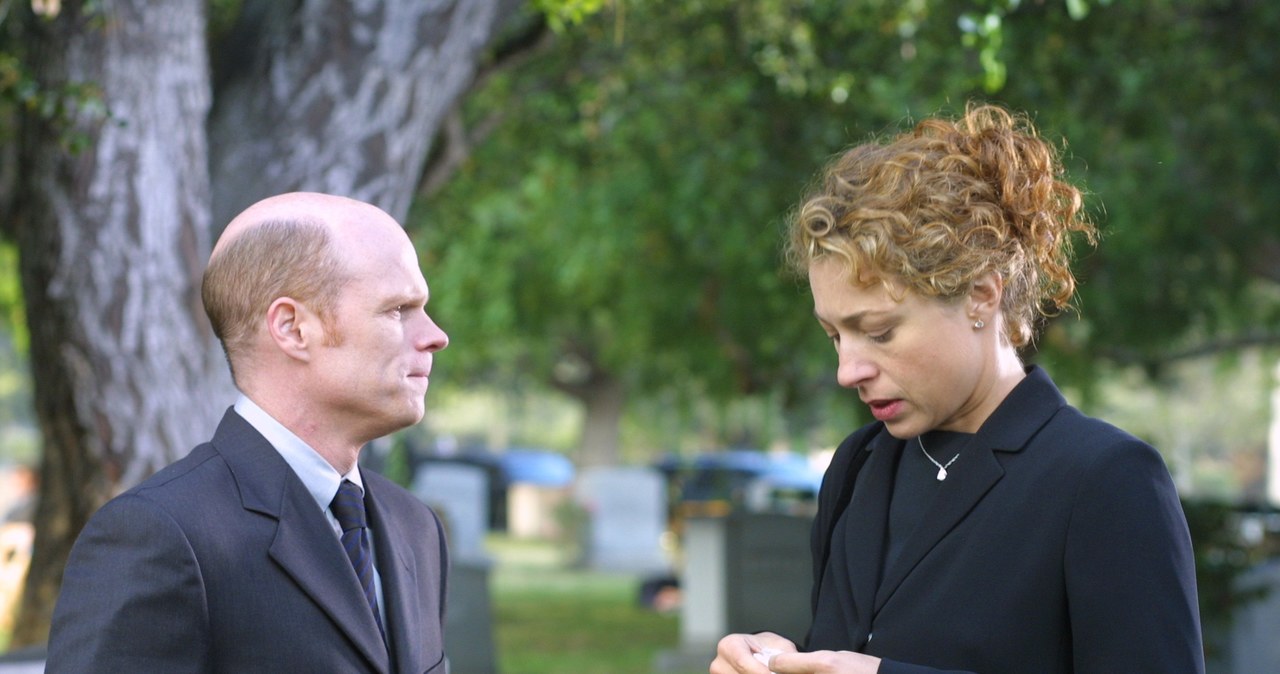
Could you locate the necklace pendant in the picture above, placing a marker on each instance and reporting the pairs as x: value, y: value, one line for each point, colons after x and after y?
x: 942, y: 474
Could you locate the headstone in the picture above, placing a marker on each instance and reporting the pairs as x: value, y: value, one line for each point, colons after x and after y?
x: 627, y: 517
x: 1273, y: 444
x: 1253, y: 644
x: 747, y: 572
x: 28, y: 660
x: 468, y: 628
x: 459, y: 494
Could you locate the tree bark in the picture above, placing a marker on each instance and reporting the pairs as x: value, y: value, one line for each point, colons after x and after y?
x: 112, y: 241
x: 340, y: 97
x: 333, y: 95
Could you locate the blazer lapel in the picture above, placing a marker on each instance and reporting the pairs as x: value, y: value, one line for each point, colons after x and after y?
x: 1026, y: 409
x: 963, y: 489
x: 305, y: 545
x: 399, y: 586
x: 865, y: 534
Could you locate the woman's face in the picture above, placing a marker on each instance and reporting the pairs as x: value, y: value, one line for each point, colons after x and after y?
x: 918, y: 363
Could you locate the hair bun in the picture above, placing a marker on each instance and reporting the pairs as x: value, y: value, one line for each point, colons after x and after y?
x: 947, y: 202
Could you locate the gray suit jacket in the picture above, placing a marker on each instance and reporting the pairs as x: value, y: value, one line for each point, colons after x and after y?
x: 222, y: 562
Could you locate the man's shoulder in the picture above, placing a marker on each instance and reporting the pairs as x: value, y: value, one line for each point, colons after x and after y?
x: 172, y: 499
x: 194, y: 467
x: 193, y: 482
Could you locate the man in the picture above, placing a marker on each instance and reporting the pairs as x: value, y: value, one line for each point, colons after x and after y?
x: 267, y: 549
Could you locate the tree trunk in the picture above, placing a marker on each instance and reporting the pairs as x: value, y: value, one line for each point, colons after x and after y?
x: 112, y: 241
x: 340, y: 97
x: 332, y: 95
x: 604, y: 400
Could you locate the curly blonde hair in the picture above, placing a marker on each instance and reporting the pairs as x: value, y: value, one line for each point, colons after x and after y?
x: 937, y: 207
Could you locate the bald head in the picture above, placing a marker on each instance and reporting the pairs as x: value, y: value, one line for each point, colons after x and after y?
x: 338, y: 215
x: 292, y: 245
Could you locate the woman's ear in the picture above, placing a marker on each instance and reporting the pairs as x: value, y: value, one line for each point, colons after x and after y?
x: 984, y: 298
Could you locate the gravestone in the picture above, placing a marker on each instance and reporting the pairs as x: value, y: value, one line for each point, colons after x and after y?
x: 28, y: 660
x: 459, y: 493
x: 747, y: 572
x: 1253, y: 646
x: 627, y: 517
x: 468, y: 626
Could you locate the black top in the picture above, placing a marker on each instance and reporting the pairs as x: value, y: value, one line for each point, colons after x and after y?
x: 915, y: 483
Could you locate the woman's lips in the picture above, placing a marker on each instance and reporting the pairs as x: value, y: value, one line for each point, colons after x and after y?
x: 884, y: 410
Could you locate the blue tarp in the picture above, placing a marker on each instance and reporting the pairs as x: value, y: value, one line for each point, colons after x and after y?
x: 535, y: 466
x: 783, y: 471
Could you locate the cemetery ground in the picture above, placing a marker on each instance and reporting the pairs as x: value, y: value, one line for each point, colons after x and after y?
x: 553, y: 618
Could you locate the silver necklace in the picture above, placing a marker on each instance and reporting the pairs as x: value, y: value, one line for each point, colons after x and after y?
x: 942, y: 469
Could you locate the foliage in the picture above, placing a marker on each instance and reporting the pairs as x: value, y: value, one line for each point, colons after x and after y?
x: 563, y: 13
x: 625, y: 214
x: 12, y: 320
x: 63, y: 104
x: 1174, y: 119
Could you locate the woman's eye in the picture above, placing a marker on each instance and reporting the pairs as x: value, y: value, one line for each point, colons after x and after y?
x: 881, y: 337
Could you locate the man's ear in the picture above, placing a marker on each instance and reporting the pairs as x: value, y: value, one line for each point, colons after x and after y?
x: 985, y: 296
x: 293, y: 328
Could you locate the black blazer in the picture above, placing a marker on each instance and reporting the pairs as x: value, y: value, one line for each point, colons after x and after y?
x: 223, y: 562
x: 1058, y: 544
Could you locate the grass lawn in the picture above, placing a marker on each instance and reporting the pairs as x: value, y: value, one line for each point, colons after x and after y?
x: 553, y: 619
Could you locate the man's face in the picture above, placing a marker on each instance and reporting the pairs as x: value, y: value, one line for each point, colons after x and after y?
x: 371, y: 375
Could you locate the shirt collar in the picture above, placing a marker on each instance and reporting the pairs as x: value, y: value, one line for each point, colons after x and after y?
x: 320, y: 478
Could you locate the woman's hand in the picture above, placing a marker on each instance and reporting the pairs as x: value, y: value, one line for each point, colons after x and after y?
x: 824, y: 662
x: 736, y: 653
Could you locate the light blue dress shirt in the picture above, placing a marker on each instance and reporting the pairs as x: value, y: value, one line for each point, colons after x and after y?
x: 320, y: 478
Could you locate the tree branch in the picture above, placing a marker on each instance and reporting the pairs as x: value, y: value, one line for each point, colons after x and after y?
x: 1208, y: 348
x: 454, y: 143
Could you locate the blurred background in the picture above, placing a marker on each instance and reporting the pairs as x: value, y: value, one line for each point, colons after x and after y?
x: 627, y: 430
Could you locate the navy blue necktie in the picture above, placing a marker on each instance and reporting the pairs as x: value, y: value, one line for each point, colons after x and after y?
x: 348, y: 508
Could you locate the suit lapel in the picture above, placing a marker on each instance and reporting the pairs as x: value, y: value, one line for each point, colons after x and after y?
x: 305, y: 545
x: 309, y: 551
x: 399, y: 585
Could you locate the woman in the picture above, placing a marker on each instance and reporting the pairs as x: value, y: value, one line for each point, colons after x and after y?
x: 981, y: 524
